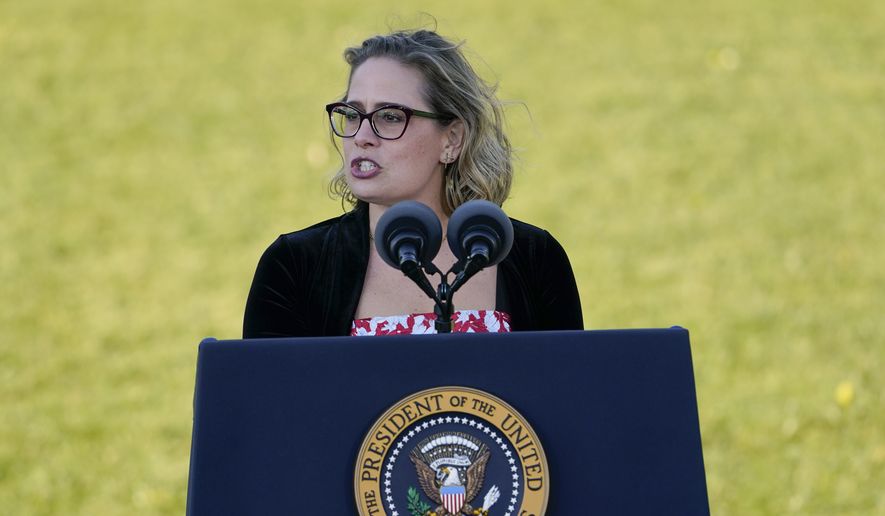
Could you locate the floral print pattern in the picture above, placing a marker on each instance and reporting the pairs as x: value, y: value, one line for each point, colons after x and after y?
x: 463, y: 321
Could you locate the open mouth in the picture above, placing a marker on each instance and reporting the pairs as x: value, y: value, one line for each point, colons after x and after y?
x: 364, y: 168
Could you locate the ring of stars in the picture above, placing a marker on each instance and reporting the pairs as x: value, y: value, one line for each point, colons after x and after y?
x: 413, y: 433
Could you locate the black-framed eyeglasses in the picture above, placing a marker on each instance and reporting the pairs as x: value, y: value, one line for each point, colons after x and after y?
x: 388, y: 122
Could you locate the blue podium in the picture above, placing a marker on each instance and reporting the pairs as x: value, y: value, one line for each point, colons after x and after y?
x: 282, y: 426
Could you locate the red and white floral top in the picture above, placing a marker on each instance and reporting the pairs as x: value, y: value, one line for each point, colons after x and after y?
x: 464, y: 321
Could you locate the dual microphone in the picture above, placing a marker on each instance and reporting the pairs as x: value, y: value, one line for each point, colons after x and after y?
x: 408, y: 237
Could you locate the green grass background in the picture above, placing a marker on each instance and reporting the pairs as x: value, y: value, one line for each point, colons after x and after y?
x: 717, y: 165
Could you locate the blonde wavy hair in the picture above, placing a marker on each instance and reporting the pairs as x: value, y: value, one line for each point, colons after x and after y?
x: 484, y: 168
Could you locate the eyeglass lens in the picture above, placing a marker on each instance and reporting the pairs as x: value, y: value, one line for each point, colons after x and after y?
x: 388, y: 123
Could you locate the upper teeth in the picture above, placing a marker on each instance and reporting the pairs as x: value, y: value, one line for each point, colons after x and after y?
x: 366, y: 166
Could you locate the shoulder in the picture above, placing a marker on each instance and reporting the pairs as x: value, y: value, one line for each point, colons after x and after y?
x: 314, y: 239
x: 532, y: 240
x: 535, y: 251
x: 525, y: 231
x: 320, y: 231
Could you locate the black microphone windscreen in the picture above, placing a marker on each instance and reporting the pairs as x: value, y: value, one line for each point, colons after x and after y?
x: 480, y: 219
x: 412, y: 221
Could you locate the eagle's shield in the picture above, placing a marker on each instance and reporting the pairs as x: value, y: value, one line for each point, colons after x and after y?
x: 452, y: 498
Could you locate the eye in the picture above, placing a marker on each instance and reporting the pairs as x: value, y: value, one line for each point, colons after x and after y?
x: 391, y: 116
x: 349, y: 114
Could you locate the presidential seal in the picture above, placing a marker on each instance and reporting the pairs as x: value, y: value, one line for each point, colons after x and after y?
x: 451, y: 451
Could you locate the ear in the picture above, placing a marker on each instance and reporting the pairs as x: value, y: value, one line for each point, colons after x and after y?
x: 453, y: 140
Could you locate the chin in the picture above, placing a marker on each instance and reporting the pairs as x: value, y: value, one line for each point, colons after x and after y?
x: 374, y: 194
x: 366, y: 194
x: 378, y: 200
x: 384, y: 194
x: 374, y: 198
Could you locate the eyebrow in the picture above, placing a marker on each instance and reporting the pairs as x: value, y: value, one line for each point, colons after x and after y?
x: 356, y: 103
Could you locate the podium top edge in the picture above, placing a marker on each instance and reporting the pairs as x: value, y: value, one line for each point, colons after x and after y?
x: 627, y: 331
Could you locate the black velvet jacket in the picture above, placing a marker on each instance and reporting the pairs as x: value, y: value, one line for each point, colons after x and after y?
x: 308, y: 283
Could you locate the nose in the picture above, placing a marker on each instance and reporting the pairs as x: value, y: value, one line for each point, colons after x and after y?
x: 365, y: 136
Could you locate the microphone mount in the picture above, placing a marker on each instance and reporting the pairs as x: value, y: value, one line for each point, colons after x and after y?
x: 479, y: 234
x: 443, y: 295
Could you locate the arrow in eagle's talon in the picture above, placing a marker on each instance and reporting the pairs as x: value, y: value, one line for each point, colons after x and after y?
x: 490, y: 498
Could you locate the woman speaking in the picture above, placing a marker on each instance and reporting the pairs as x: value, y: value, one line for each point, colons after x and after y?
x: 417, y: 123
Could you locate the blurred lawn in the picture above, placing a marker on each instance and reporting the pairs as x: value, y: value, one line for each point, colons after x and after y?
x: 714, y: 165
